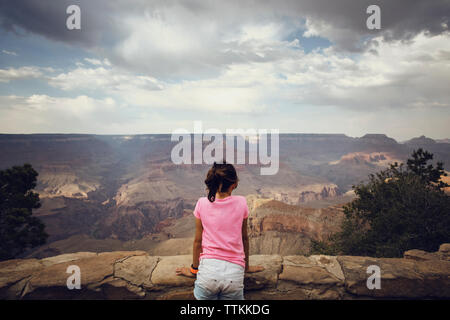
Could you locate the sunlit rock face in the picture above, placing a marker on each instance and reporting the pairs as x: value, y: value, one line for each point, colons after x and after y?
x: 279, y: 228
x: 301, y: 194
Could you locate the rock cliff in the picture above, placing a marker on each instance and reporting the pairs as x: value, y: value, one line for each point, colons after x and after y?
x: 278, y: 228
x: 137, y: 275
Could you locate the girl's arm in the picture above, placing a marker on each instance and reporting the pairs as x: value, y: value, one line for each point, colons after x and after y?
x: 196, y: 250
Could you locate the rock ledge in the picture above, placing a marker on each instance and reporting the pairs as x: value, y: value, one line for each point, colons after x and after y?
x: 136, y: 275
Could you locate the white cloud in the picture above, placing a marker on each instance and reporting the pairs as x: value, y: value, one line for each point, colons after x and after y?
x: 95, y: 62
x: 10, y: 53
x: 38, y: 113
x: 400, y: 75
x: 102, y: 78
x: 10, y: 74
x: 231, y: 92
x: 175, y: 42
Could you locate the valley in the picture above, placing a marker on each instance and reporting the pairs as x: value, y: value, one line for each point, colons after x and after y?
x: 108, y: 193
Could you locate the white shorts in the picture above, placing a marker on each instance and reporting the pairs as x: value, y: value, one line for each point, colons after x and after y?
x: 219, y: 280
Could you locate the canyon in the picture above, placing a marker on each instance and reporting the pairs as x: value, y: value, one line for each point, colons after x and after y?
x: 122, y: 193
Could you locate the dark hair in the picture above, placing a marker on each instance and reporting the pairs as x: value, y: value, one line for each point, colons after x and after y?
x: 220, y: 178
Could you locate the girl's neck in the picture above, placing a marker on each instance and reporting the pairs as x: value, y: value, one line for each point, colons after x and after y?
x: 222, y: 195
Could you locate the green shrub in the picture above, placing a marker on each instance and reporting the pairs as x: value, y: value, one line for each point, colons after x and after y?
x: 398, y: 209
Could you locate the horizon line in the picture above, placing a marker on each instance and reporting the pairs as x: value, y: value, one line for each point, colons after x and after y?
x: 167, y: 133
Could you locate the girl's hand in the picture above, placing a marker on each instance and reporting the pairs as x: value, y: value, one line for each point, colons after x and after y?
x: 252, y: 269
x: 183, y: 271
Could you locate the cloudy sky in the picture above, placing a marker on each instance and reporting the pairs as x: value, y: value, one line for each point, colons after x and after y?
x: 308, y: 66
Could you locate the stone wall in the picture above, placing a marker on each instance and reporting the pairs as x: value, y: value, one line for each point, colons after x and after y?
x: 136, y: 275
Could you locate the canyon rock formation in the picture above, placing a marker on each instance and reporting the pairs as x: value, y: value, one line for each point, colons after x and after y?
x: 117, y: 192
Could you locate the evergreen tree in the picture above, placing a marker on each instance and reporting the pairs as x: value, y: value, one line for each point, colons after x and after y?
x: 19, y: 230
x: 398, y: 209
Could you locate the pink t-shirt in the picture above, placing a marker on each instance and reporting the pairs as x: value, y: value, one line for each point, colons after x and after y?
x: 222, y: 228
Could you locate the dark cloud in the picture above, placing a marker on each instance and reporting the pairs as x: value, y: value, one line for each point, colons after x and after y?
x: 401, y: 19
x: 48, y: 18
x: 197, y: 38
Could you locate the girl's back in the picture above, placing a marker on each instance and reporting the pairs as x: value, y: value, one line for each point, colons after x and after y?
x: 222, y: 228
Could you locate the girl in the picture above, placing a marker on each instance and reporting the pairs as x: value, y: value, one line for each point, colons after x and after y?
x: 220, y: 252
